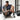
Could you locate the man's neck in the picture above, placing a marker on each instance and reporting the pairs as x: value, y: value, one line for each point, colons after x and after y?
x: 6, y: 5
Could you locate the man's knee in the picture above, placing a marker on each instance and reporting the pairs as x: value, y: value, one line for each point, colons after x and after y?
x: 4, y: 13
x: 10, y: 13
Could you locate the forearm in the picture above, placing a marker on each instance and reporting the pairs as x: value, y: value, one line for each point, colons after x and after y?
x: 3, y: 10
x: 13, y: 11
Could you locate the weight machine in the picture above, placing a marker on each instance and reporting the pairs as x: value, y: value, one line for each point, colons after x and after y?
x: 17, y: 8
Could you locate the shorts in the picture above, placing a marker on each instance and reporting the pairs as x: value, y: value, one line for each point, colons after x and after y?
x: 8, y: 14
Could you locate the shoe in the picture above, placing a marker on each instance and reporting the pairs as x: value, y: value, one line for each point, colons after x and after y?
x: 14, y: 16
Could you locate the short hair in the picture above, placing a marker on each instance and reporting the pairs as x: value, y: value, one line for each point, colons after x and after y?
x: 7, y: 1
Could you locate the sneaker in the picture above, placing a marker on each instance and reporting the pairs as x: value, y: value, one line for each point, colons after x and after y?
x: 14, y: 16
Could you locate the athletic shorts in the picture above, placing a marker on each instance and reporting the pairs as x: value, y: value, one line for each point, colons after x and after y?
x: 8, y: 14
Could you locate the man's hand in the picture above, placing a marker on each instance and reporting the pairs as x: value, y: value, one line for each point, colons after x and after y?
x: 7, y: 10
x: 10, y: 10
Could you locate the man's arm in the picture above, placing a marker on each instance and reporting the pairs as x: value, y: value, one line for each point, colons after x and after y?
x: 3, y: 8
x: 12, y: 9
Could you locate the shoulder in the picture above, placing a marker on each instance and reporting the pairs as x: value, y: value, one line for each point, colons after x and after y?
x: 12, y: 6
x: 3, y: 6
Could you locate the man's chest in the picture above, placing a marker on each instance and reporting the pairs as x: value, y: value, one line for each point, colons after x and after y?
x: 8, y: 7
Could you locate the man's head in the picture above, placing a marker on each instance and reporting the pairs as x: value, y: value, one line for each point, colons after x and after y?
x: 7, y: 2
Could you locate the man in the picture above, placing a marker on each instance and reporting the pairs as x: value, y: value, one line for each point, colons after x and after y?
x: 7, y: 8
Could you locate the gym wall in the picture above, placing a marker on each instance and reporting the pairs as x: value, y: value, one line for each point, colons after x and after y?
x: 17, y: 5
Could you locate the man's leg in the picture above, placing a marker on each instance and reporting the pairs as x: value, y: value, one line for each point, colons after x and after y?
x: 5, y: 14
x: 9, y: 14
x: 14, y: 15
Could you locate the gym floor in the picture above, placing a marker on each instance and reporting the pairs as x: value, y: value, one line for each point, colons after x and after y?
x: 16, y: 17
